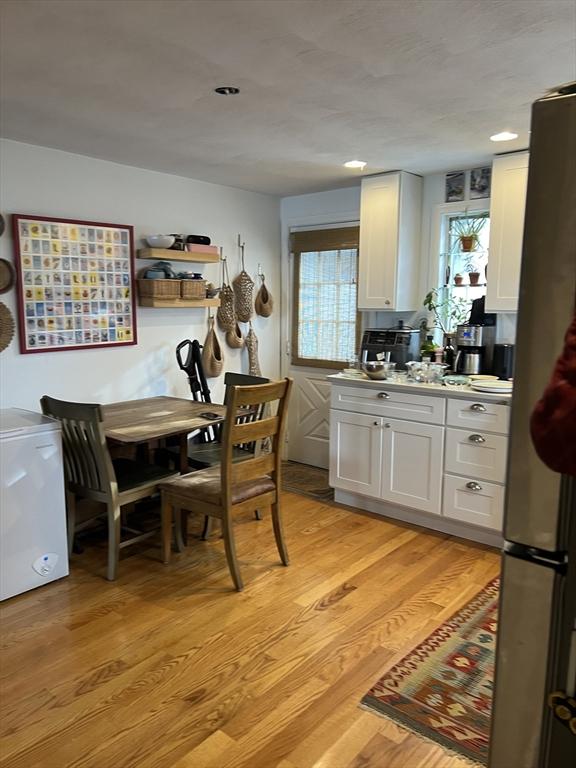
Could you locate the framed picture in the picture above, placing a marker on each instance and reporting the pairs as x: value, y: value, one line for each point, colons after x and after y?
x: 480, y: 180
x: 75, y: 284
x: 455, y: 186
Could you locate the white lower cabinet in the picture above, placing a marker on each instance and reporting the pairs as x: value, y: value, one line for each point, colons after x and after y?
x: 412, y: 464
x: 393, y: 460
x: 451, y: 464
x: 356, y: 452
x: 473, y: 501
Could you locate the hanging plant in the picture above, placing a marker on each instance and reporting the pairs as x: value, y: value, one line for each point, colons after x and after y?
x: 467, y: 229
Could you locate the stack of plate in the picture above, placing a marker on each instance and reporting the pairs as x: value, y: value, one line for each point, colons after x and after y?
x: 492, y: 385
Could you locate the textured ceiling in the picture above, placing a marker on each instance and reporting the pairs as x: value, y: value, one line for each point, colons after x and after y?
x: 412, y: 84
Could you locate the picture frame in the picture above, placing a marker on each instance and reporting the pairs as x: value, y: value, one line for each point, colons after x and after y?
x: 74, y: 282
x: 455, y: 186
x: 480, y: 182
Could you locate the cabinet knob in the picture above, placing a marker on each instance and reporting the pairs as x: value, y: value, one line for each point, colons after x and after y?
x: 474, y: 486
x: 476, y: 439
x: 387, y: 426
x: 383, y: 395
x: 387, y: 302
x: 478, y: 407
x: 376, y: 423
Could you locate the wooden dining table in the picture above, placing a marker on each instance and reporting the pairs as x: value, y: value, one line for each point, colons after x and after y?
x: 155, y: 418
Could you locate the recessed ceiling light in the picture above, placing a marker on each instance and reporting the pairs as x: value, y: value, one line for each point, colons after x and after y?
x: 227, y: 90
x: 355, y: 164
x: 504, y: 136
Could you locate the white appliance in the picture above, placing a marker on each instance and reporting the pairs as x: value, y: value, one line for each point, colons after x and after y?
x: 33, y: 548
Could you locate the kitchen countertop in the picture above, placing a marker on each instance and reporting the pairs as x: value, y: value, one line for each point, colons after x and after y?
x: 438, y: 390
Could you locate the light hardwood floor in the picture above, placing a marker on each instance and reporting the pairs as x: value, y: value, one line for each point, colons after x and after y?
x: 169, y: 667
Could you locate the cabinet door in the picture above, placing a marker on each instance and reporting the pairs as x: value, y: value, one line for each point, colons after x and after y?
x: 378, y: 250
x: 412, y: 465
x: 507, y: 204
x: 355, y: 452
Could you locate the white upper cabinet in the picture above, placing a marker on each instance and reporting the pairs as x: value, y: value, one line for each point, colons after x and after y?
x: 390, y: 216
x: 507, y: 204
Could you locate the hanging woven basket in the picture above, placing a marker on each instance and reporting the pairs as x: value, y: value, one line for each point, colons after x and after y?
x: 6, y: 326
x: 226, y: 314
x: 243, y: 287
x: 264, y: 303
x: 252, y: 347
x: 234, y: 338
x: 212, y: 356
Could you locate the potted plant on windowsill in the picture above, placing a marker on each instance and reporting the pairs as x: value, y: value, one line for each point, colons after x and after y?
x: 467, y: 230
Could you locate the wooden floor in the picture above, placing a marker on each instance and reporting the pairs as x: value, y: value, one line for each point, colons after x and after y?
x: 170, y: 668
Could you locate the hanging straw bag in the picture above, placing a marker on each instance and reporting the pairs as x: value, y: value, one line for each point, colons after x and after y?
x: 212, y: 357
x: 252, y: 347
x: 264, y: 303
x: 234, y: 338
x: 243, y: 286
x: 226, y: 315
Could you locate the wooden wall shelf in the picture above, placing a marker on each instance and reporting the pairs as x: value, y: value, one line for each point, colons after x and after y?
x: 198, y: 255
x: 151, y: 301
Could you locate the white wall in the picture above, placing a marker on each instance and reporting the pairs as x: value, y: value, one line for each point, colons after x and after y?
x: 41, y: 181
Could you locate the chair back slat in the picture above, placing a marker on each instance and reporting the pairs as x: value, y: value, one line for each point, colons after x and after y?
x: 258, y: 395
x: 267, y: 428
x: 87, y: 463
x: 254, y: 430
x: 250, y: 469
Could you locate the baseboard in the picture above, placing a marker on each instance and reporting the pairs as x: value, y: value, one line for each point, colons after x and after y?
x: 422, y: 519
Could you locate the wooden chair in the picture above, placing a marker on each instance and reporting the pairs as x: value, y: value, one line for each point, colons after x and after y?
x: 92, y: 474
x: 233, y: 487
x: 207, y: 454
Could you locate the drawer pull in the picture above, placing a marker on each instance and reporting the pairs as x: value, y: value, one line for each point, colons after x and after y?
x: 478, y: 407
x: 476, y: 439
x: 383, y: 395
x: 474, y: 486
x: 376, y: 423
x: 387, y: 426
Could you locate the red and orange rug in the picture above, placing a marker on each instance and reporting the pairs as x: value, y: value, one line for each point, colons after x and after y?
x: 443, y: 688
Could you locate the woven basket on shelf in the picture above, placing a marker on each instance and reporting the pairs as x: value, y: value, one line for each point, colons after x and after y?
x: 159, y: 289
x: 193, y: 289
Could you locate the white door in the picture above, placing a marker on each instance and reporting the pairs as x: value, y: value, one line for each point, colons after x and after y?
x: 309, y: 416
x: 356, y: 452
x: 324, y: 321
x: 412, y: 464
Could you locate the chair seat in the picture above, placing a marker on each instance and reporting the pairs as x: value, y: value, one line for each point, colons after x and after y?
x: 130, y: 474
x: 204, y: 485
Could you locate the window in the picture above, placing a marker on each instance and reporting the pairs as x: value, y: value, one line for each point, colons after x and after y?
x: 463, y: 273
x: 325, y: 316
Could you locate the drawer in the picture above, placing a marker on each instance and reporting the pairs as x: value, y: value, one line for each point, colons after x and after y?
x: 478, y: 454
x: 390, y: 403
x: 473, y: 501
x: 476, y: 415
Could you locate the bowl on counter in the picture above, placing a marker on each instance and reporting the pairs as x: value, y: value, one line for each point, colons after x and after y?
x: 160, y: 241
x: 379, y: 370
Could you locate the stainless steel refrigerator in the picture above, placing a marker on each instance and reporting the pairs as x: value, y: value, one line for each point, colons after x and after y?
x: 536, y: 648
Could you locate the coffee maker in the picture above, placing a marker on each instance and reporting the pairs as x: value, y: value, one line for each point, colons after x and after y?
x: 474, y: 348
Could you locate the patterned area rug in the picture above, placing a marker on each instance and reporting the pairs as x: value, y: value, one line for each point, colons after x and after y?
x: 443, y: 688
x: 306, y: 480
